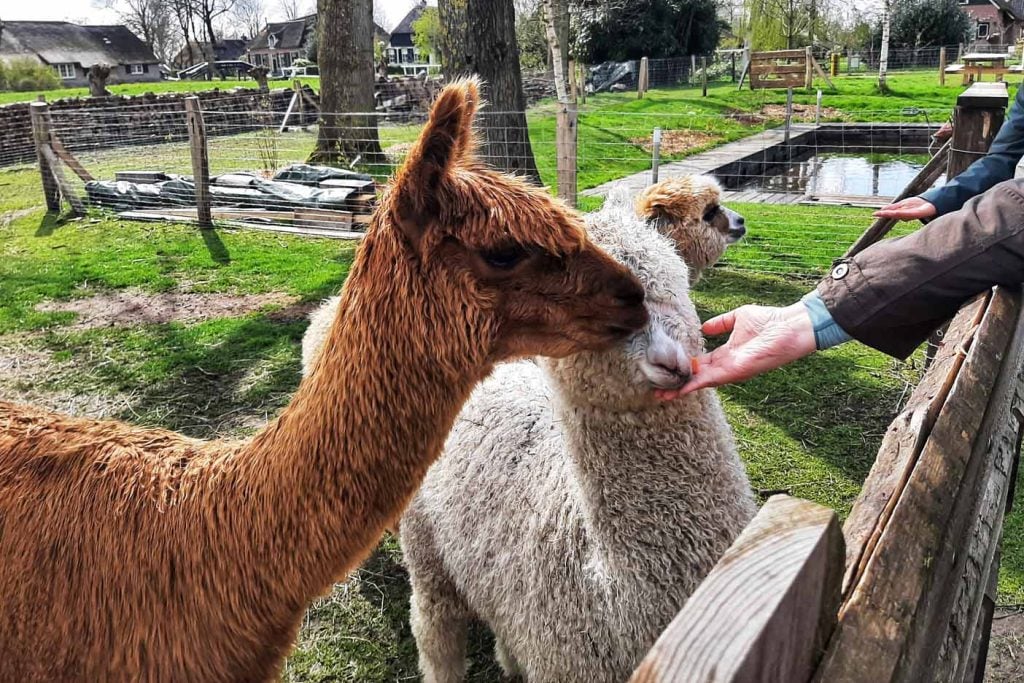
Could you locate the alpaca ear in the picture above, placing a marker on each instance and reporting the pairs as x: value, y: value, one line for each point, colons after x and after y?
x: 446, y: 141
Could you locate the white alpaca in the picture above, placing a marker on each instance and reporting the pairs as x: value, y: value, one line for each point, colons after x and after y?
x: 571, y: 511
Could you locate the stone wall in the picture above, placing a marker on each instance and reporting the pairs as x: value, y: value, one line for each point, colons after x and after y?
x: 123, y: 121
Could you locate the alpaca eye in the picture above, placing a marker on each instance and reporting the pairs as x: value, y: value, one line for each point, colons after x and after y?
x: 503, y: 258
x: 710, y: 213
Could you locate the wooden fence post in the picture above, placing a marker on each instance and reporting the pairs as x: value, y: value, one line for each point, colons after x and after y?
x: 942, y: 66
x: 200, y: 160
x: 808, y: 67
x: 765, y: 611
x: 978, y: 114
x: 655, y: 154
x: 299, y: 101
x: 583, y: 82
x: 789, y: 115
x: 41, y: 137
x: 565, y: 142
x: 977, y: 117
x: 641, y: 79
x: 703, y: 76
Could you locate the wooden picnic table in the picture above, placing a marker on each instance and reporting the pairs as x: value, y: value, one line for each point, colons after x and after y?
x: 977, y: 64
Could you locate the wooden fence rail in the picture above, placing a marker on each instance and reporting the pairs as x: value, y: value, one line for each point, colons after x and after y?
x: 922, y: 540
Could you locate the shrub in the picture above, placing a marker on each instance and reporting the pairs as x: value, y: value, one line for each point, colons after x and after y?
x: 27, y: 74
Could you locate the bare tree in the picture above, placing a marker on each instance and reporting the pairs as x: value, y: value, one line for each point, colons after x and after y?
x: 151, y: 20
x: 251, y: 15
x: 345, y: 55
x: 883, y: 60
x: 208, y: 12
x: 185, y: 16
x: 556, y: 26
x: 293, y: 9
x: 479, y: 37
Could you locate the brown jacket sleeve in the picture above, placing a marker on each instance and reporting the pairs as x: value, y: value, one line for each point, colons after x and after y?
x: 893, y: 294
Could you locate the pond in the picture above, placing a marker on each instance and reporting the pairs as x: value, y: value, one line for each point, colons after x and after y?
x: 867, y: 175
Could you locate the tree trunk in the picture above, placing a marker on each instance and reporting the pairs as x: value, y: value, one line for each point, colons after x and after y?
x: 348, y: 124
x: 98, y: 75
x: 479, y: 37
x: 883, y: 59
x: 556, y: 27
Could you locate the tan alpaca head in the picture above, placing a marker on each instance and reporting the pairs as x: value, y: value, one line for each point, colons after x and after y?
x: 688, y: 209
x: 511, y: 262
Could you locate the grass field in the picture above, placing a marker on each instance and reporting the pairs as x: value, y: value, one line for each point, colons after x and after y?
x: 8, y: 97
x: 812, y: 428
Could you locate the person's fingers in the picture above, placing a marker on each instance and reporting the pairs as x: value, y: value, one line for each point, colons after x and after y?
x: 720, y: 324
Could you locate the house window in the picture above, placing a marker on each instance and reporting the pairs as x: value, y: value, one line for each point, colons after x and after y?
x: 983, y: 29
x: 65, y: 71
x: 410, y: 56
x: 138, y: 69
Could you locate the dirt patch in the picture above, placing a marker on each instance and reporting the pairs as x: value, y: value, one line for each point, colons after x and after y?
x: 8, y: 217
x: 27, y: 375
x: 777, y: 112
x: 133, y: 307
x: 678, y: 141
x: 1006, y: 648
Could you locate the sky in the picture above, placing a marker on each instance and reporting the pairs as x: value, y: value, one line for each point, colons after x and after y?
x: 93, y: 11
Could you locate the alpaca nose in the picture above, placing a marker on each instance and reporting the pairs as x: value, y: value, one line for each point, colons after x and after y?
x: 668, y: 360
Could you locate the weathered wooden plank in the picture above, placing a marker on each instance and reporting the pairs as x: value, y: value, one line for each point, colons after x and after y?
x: 38, y: 112
x: 821, y: 73
x: 784, y: 81
x: 958, y: 579
x: 69, y: 159
x: 62, y: 182
x: 200, y: 160
x: 974, y: 672
x: 778, y: 54
x: 878, y: 619
x: 902, y: 444
x: 566, y: 123
x: 765, y: 610
x: 762, y: 70
x: 1001, y: 439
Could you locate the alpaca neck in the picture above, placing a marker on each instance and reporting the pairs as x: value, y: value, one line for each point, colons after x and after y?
x: 659, y: 484
x: 345, y: 456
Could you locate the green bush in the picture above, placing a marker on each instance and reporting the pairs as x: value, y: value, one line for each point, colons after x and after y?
x: 27, y: 74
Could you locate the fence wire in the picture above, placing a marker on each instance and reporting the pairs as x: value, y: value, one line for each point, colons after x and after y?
x: 806, y: 188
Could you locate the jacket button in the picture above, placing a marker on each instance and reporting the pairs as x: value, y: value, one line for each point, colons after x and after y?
x: 840, y: 271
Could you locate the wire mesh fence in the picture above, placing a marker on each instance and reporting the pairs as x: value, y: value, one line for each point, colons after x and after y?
x: 807, y: 181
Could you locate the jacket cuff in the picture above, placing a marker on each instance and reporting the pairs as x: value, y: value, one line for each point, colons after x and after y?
x: 943, y: 201
x: 827, y: 332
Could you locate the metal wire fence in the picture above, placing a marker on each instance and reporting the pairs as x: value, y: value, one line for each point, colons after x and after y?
x: 807, y: 181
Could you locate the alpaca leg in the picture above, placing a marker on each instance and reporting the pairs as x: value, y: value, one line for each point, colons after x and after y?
x: 507, y: 662
x: 439, y: 623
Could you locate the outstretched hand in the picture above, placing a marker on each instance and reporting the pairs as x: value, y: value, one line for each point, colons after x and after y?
x: 909, y: 209
x: 762, y: 338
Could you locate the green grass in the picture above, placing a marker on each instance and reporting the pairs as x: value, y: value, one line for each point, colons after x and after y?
x: 159, y: 87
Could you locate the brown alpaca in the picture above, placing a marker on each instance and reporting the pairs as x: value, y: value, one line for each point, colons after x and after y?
x: 138, y: 554
x: 690, y: 209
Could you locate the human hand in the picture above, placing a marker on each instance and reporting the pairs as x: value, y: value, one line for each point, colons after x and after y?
x: 944, y: 132
x: 907, y: 209
x: 763, y: 338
